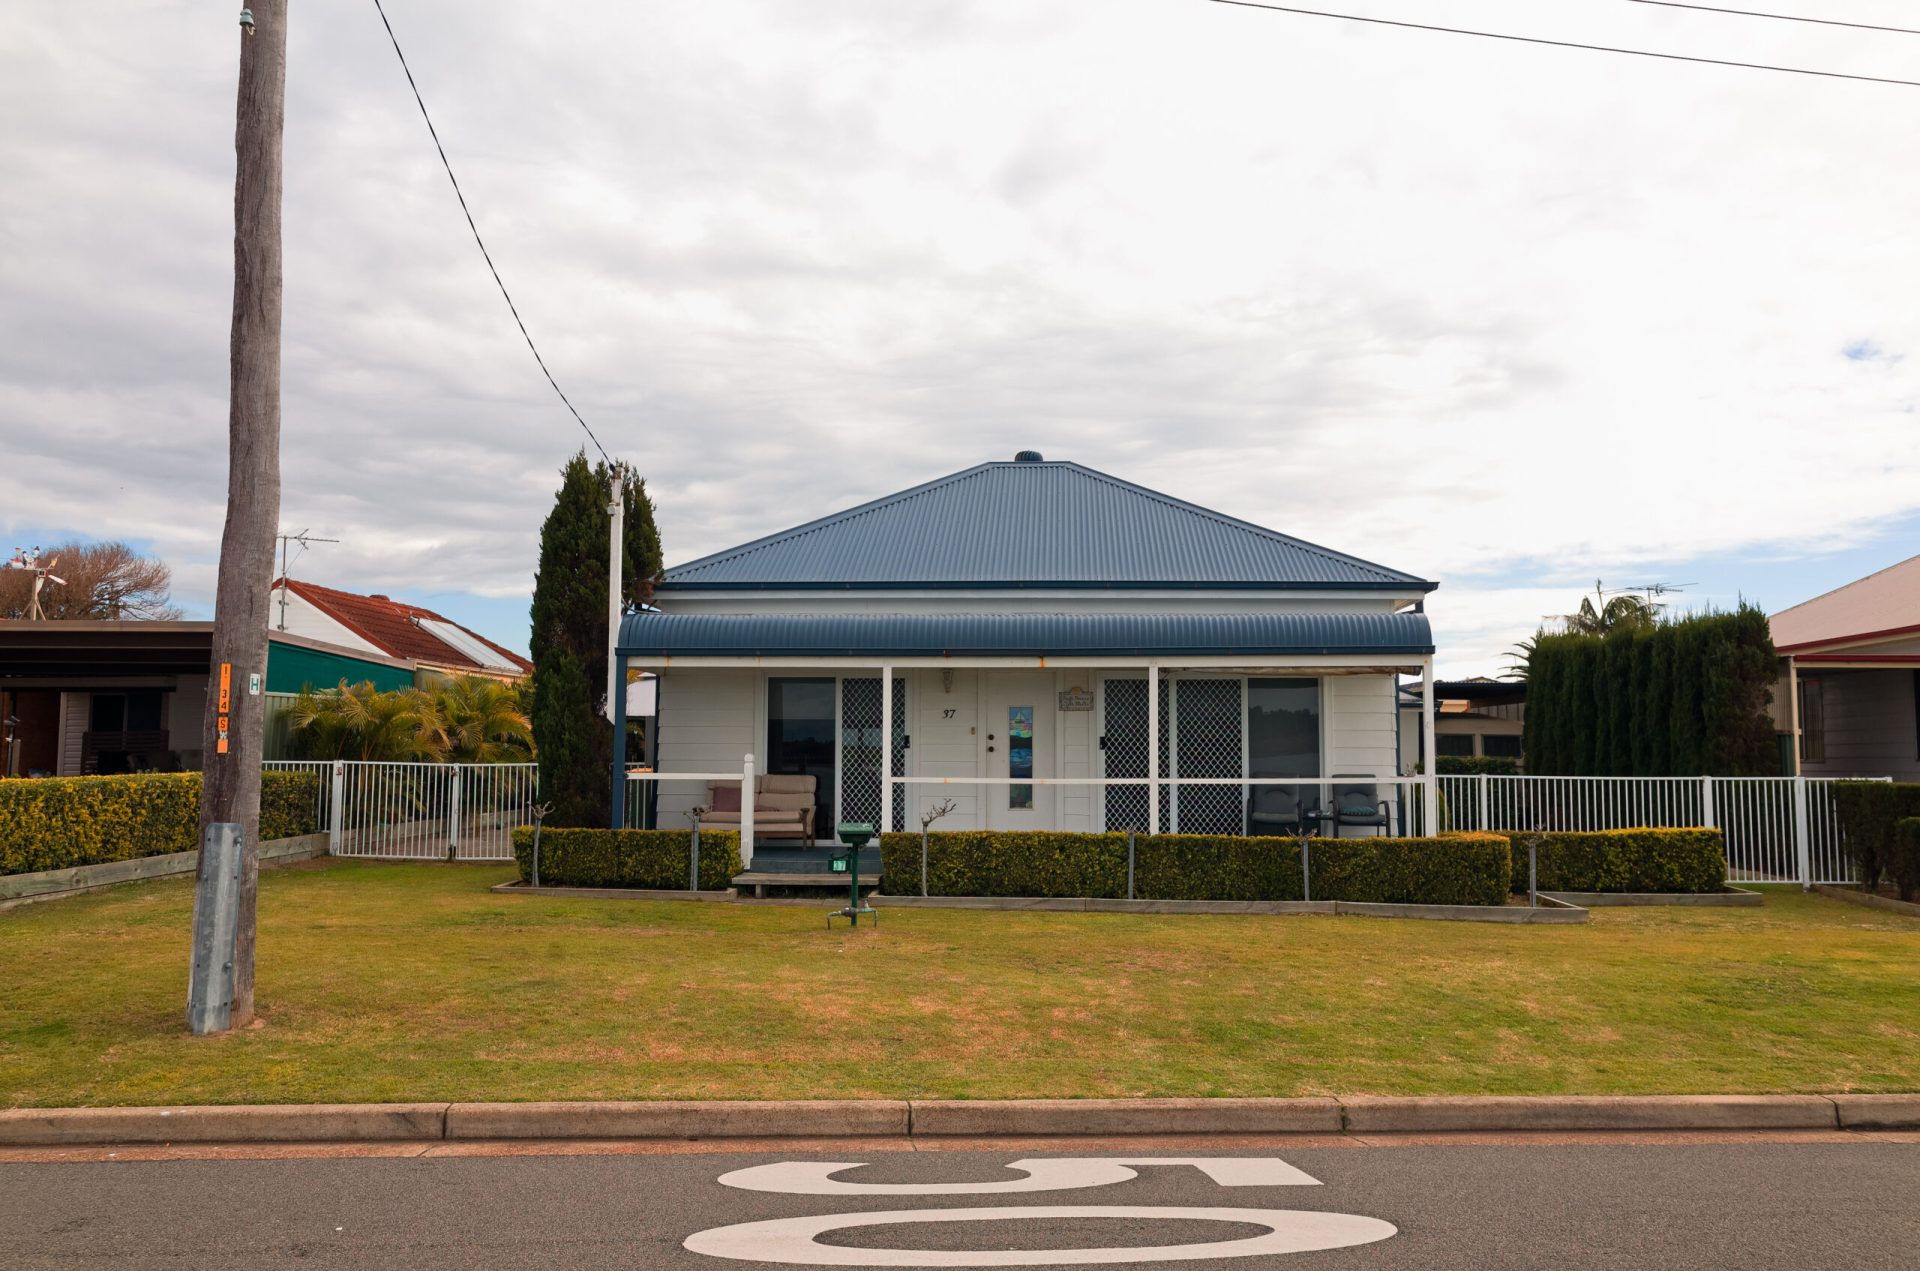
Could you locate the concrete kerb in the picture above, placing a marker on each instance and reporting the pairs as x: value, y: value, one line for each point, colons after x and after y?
x: 689, y: 1119
x: 1476, y: 1113
x: 990, y: 1118
x: 959, y: 1119
x: 224, y: 1123
x: 1878, y: 1111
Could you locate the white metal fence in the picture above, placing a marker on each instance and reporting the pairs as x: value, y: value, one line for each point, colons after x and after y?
x: 1777, y: 829
x: 420, y: 811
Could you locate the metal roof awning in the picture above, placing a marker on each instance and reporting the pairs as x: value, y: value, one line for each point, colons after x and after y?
x: 669, y: 636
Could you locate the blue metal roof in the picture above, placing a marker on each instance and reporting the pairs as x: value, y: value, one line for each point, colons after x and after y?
x: 1032, y: 524
x: 848, y: 635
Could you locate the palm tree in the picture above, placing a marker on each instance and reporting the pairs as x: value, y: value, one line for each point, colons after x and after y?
x: 478, y: 720
x: 357, y: 721
x: 1519, y: 659
x: 1600, y: 615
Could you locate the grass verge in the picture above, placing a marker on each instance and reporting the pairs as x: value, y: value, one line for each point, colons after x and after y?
x: 382, y: 981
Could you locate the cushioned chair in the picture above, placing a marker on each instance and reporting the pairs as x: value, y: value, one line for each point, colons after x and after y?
x: 782, y: 806
x: 1274, y: 810
x: 1360, y: 805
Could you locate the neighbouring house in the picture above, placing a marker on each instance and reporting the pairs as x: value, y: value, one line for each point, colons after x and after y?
x: 1011, y: 636
x: 393, y: 628
x: 103, y: 697
x: 1848, y: 701
x: 1476, y: 718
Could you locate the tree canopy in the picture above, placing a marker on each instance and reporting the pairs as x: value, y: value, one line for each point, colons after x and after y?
x: 468, y: 719
x: 103, y: 580
x: 569, y: 643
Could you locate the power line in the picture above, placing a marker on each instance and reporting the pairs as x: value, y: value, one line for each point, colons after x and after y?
x: 1568, y: 44
x: 1780, y: 17
x: 512, y: 308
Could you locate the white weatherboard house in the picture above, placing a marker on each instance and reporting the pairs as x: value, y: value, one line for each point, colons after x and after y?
x: 1026, y: 627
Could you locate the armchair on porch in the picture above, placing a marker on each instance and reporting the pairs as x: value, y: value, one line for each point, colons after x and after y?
x: 1360, y: 805
x: 1273, y: 810
x: 782, y: 806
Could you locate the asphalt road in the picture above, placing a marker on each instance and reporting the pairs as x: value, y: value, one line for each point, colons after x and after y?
x: 1437, y: 1207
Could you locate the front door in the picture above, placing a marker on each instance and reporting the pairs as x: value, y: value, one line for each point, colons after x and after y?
x: 1017, y: 732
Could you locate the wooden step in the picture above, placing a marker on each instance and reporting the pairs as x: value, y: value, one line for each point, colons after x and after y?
x: 760, y: 880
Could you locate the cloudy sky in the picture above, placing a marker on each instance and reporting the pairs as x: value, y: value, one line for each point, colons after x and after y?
x: 1513, y: 317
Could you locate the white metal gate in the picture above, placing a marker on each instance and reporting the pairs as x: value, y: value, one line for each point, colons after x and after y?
x: 421, y: 811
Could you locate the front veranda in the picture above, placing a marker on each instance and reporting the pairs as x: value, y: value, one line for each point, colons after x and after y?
x: 1304, y: 741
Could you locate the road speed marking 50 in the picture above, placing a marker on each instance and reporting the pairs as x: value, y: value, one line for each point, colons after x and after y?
x: 795, y: 1241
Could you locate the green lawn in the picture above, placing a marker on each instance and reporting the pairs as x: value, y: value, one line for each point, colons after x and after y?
x: 403, y: 981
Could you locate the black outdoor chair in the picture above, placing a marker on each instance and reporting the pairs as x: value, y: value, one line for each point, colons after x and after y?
x: 1360, y: 805
x: 1273, y: 810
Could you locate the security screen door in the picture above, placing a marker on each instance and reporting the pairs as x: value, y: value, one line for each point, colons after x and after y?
x: 1017, y: 733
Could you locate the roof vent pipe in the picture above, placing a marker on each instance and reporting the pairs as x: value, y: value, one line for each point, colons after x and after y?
x: 1029, y: 456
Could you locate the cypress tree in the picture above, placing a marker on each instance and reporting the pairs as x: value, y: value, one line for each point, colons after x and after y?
x: 1640, y: 714
x: 1617, y: 691
x: 1534, y: 743
x: 1656, y: 698
x: 569, y: 643
x: 1683, y: 710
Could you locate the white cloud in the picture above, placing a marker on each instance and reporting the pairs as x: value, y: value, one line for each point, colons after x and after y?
x: 1463, y: 307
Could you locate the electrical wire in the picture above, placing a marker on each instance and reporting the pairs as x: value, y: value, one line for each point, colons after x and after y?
x: 488, y: 256
x: 1780, y: 17
x: 1568, y: 44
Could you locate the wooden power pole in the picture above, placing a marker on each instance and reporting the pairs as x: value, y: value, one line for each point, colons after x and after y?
x: 230, y: 789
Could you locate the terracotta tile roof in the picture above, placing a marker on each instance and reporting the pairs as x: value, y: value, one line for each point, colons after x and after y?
x: 393, y: 626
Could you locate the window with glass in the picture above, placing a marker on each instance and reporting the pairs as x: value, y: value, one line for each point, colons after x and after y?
x: 1813, y: 722
x: 1020, y: 756
x: 1283, y: 728
x: 1453, y: 745
x: 1500, y: 745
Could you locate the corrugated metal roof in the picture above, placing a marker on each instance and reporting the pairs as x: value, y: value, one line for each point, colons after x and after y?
x: 1021, y: 634
x: 1032, y: 524
x: 1883, y: 602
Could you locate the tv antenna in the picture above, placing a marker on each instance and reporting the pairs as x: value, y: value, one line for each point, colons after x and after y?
x: 305, y: 539
x: 42, y: 575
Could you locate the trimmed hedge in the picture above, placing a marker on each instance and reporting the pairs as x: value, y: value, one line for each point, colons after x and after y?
x: 1904, y: 865
x: 1867, y: 812
x: 645, y: 859
x: 1685, y: 698
x: 1459, y: 869
x: 1649, y: 860
x: 60, y: 822
x: 1476, y: 765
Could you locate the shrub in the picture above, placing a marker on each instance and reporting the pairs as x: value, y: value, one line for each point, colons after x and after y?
x: 1465, y: 869
x: 1903, y: 865
x: 1649, y: 860
x: 61, y: 822
x: 1685, y: 698
x: 1476, y: 765
x: 647, y: 859
x: 1866, y: 812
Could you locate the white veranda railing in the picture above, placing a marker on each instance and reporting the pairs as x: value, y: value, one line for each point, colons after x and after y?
x: 420, y: 811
